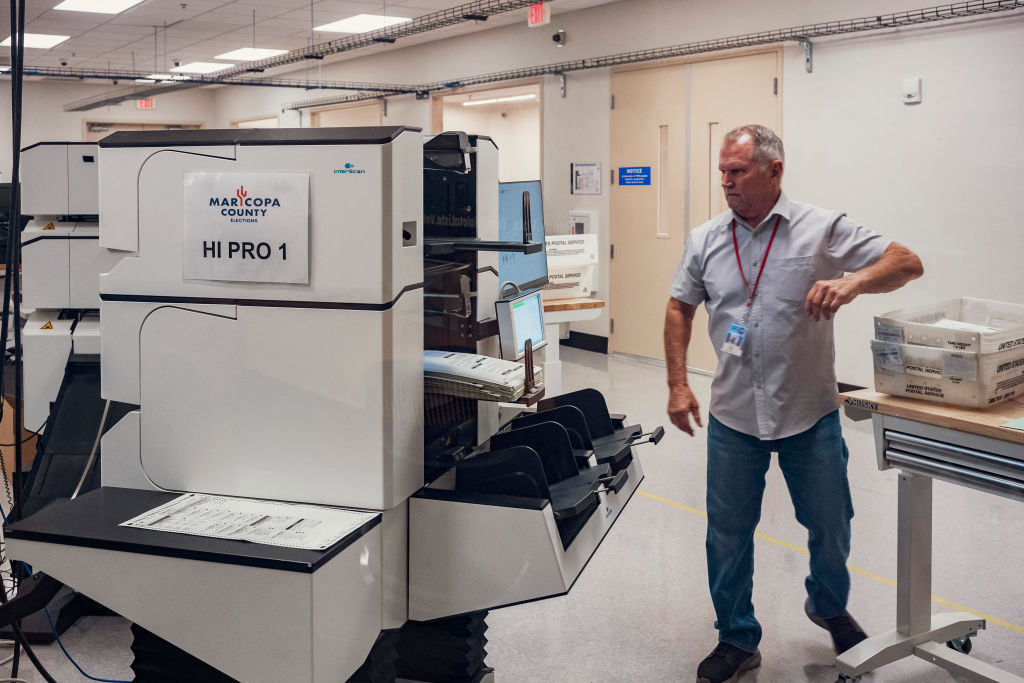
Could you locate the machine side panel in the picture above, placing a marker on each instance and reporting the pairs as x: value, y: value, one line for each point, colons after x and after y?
x: 347, y: 227
x: 45, y: 259
x: 120, y: 455
x: 88, y: 260
x: 83, y: 179
x: 346, y: 603
x: 253, y: 624
x: 47, y: 347
x: 120, y: 188
x: 403, y: 209
x: 465, y: 557
x: 283, y: 404
x: 403, y: 398
x: 44, y: 180
x: 395, y: 566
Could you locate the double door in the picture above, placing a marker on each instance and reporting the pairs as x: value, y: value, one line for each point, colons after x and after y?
x: 671, y: 119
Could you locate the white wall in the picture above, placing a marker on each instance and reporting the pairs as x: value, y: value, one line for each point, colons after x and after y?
x: 505, y: 123
x: 43, y: 118
x: 942, y: 176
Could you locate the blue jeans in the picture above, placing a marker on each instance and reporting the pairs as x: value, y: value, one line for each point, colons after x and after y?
x: 814, y: 465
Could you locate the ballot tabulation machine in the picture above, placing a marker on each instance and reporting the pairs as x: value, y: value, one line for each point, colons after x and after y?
x: 271, y: 298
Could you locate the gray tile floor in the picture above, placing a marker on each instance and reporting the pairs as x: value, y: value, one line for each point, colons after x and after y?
x: 641, y: 612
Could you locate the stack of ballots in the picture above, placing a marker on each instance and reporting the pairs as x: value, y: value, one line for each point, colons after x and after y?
x: 475, y: 376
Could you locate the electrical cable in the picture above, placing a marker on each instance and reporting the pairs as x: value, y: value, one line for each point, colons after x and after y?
x: 92, y: 454
x: 71, y: 659
x: 32, y: 435
x: 12, y: 286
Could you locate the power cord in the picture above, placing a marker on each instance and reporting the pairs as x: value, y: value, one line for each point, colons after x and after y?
x: 71, y: 659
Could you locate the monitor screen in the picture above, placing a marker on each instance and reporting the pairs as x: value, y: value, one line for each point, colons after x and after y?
x: 527, y: 271
x: 520, y: 319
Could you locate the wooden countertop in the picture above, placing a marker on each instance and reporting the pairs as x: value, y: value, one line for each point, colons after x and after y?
x: 572, y: 304
x: 984, y: 422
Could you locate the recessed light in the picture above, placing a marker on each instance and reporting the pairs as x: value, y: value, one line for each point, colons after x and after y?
x: 250, y: 54
x: 38, y: 40
x: 201, y: 67
x: 97, y: 6
x: 361, y: 23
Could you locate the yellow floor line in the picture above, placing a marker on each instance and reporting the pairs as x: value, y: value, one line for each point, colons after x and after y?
x: 856, y: 570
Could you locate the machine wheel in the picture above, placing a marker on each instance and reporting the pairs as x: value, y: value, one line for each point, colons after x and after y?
x: 960, y: 645
x: 843, y: 678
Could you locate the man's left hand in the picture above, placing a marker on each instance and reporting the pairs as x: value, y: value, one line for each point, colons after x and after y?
x: 826, y: 296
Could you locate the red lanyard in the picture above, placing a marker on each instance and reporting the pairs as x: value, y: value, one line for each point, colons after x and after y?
x: 753, y: 292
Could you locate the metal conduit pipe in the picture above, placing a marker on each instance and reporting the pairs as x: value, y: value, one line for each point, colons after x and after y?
x: 802, y: 34
x: 477, y: 10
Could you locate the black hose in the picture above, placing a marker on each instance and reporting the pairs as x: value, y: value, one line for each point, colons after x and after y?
x: 12, y: 288
x: 15, y: 276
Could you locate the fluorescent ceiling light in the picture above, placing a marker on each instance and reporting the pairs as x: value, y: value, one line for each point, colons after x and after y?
x: 494, y: 100
x: 201, y: 67
x: 165, y: 78
x: 361, y: 23
x: 4, y: 68
x: 97, y: 6
x: 39, y: 40
x: 250, y: 54
x: 144, y: 80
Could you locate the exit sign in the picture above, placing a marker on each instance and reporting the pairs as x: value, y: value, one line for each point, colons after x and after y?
x: 148, y: 103
x: 539, y: 15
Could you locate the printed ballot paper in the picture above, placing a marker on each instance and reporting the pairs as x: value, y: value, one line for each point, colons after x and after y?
x: 310, y: 527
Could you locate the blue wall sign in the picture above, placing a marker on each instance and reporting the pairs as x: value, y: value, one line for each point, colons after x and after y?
x: 635, y: 175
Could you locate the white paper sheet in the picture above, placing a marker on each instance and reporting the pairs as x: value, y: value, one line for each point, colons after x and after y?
x: 310, y: 527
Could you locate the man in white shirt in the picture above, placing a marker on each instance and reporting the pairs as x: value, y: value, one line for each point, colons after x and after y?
x: 772, y: 273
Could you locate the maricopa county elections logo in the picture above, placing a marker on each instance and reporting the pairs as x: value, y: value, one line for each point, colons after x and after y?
x: 246, y: 227
x: 242, y: 208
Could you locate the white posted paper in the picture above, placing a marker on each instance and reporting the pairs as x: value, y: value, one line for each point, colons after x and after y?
x: 247, y: 227
x: 310, y: 527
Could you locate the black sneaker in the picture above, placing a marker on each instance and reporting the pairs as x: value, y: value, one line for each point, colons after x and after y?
x: 725, y: 664
x: 844, y: 630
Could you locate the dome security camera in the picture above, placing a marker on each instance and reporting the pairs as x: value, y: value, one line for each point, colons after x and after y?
x: 560, y: 37
x: 177, y: 62
x: 63, y: 62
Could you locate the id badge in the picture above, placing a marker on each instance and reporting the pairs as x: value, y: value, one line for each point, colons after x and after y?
x: 734, y: 338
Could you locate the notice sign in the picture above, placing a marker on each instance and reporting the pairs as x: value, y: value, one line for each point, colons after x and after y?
x: 249, y: 227
x: 635, y: 175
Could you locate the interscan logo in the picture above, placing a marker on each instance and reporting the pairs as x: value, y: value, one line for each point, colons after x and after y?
x: 242, y: 208
x: 349, y: 168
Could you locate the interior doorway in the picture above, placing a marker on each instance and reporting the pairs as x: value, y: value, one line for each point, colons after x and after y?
x: 670, y: 120
x: 261, y: 122
x: 511, y: 116
x: 94, y: 131
x: 361, y: 114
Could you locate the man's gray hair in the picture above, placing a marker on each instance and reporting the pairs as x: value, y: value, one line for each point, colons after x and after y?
x: 767, y: 145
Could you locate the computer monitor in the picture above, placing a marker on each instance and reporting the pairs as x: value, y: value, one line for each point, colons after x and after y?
x: 519, y: 319
x: 519, y: 203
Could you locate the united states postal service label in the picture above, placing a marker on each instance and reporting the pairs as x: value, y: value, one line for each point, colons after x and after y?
x: 887, y: 356
x: 248, y: 227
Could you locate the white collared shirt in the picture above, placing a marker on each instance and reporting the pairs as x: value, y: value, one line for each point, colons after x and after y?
x: 784, y: 382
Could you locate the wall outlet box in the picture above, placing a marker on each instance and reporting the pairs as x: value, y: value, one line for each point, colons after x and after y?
x: 911, y: 90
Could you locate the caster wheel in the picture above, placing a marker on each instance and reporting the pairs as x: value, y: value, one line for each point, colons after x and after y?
x: 960, y: 645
